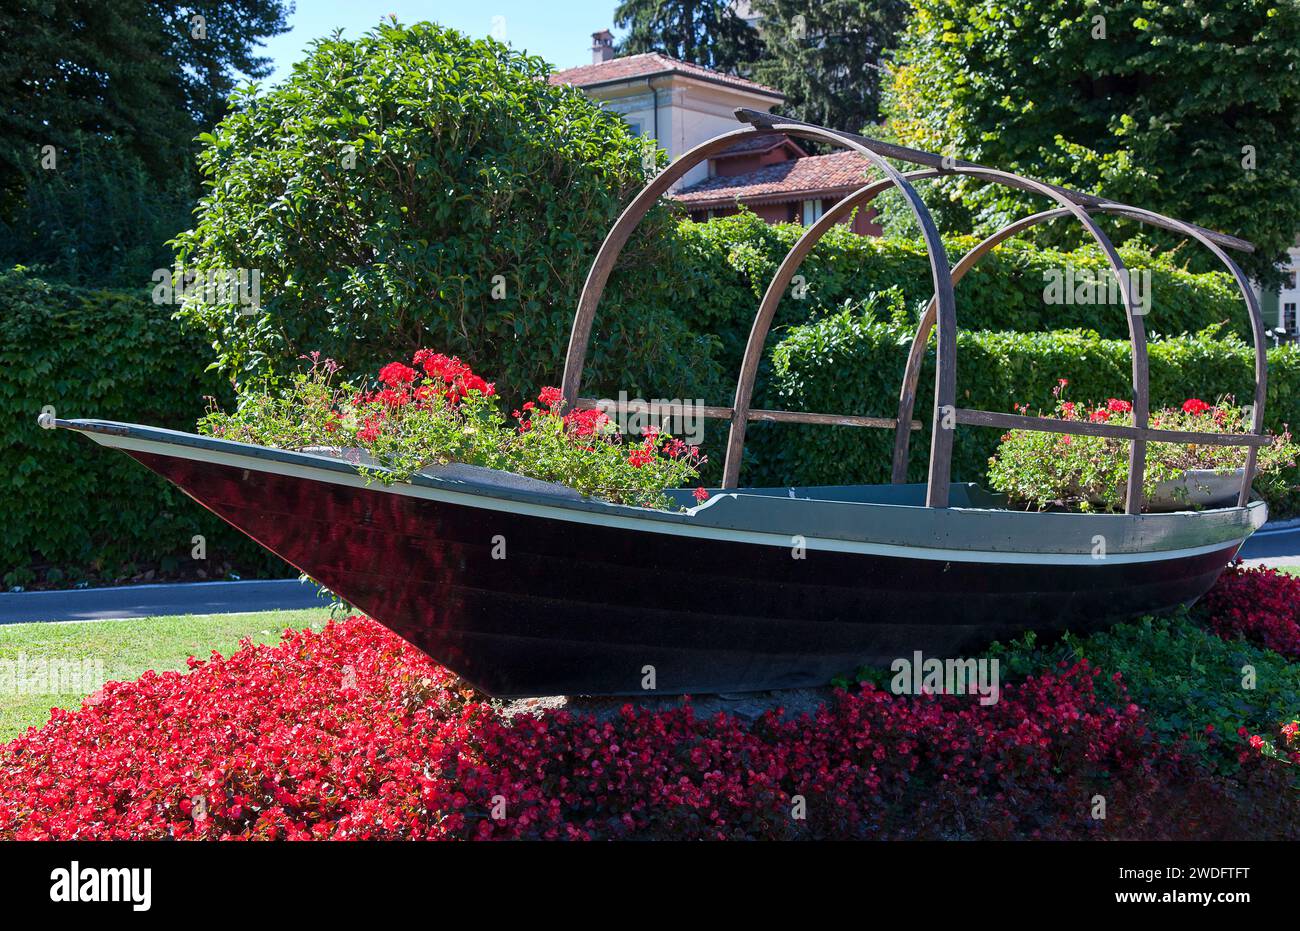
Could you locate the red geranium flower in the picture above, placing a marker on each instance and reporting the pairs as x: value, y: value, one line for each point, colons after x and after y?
x: 395, y: 373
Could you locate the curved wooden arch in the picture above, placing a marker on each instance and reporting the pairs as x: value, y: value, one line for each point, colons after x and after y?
x: 911, y: 376
x: 937, y: 491
x: 1137, y: 330
x: 940, y: 312
x: 916, y: 355
x: 940, y: 466
x: 612, y: 247
x: 771, y: 301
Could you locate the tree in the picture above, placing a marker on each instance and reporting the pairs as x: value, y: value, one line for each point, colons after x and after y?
x: 1191, y: 110
x: 112, y: 85
x: 703, y: 32
x: 416, y: 188
x: 826, y: 56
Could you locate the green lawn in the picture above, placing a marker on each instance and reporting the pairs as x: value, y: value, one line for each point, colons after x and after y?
x: 1289, y: 570
x: 122, y: 649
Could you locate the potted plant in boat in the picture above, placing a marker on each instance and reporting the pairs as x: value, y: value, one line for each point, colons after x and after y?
x: 437, y: 416
x: 1038, y: 470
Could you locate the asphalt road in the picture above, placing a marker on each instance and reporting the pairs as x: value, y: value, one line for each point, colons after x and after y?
x: 92, y: 604
x: 1277, y: 547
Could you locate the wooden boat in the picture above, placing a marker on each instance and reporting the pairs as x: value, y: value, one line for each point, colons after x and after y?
x: 529, y: 589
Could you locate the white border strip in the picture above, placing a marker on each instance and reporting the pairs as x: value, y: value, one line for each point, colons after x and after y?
x: 643, y: 525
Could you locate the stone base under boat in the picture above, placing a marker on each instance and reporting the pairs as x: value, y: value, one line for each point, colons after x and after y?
x: 747, y: 706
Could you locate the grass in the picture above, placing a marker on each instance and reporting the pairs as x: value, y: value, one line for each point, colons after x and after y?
x: 1289, y: 570
x: 92, y: 652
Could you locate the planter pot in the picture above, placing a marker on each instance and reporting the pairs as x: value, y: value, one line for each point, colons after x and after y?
x: 481, y: 476
x: 1196, y: 488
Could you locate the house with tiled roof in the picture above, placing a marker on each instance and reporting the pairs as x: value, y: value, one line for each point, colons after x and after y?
x: 680, y: 105
x: 675, y: 102
x: 797, y: 189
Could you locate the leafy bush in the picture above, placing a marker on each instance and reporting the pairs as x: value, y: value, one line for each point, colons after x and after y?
x: 415, y: 187
x: 439, y: 411
x: 1088, y: 472
x: 1191, y: 683
x: 1160, y: 105
x: 96, y: 353
x: 375, y: 741
x: 852, y: 362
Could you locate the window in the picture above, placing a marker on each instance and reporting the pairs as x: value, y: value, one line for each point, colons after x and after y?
x: 812, y: 212
x: 634, y: 126
x: 1288, y: 318
x: 1290, y: 281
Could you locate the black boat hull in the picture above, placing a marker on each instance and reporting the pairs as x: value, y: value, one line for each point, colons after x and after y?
x: 522, y: 605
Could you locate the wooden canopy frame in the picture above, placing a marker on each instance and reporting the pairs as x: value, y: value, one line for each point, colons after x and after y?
x: 940, y: 315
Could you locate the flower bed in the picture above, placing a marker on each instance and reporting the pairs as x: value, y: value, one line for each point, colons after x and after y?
x: 1260, y: 605
x: 437, y: 410
x: 352, y: 733
x: 1041, y: 469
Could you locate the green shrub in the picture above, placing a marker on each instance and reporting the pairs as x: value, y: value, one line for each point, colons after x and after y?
x: 416, y: 188
x: 68, y: 503
x: 852, y: 361
x: 1186, y: 678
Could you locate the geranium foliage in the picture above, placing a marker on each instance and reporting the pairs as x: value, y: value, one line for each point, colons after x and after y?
x: 437, y: 410
x: 1089, y: 472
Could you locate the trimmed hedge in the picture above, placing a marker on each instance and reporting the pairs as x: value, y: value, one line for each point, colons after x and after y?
x: 728, y: 262
x: 852, y: 362
x: 109, y: 354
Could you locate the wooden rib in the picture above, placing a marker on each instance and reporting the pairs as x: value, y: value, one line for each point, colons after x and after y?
x: 976, y: 418
x: 937, y: 480
x: 834, y: 420
x: 915, y: 357
x: 1256, y: 330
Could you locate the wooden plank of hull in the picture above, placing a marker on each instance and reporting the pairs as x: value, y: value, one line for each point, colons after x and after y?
x: 582, y: 609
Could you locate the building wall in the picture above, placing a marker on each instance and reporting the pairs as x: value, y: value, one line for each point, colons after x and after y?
x: 1288, y: 298
x: 689, y: 112
x: 1281, y: 308
x: 792, y: 212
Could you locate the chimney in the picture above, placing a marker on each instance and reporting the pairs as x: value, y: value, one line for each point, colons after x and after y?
x: 602, y: 46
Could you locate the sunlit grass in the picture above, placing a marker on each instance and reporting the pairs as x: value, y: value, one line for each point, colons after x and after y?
x: 123, y: 649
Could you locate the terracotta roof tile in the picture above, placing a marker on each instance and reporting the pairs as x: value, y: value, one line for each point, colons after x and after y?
x: 797, y: 179
x: 647, y: 65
